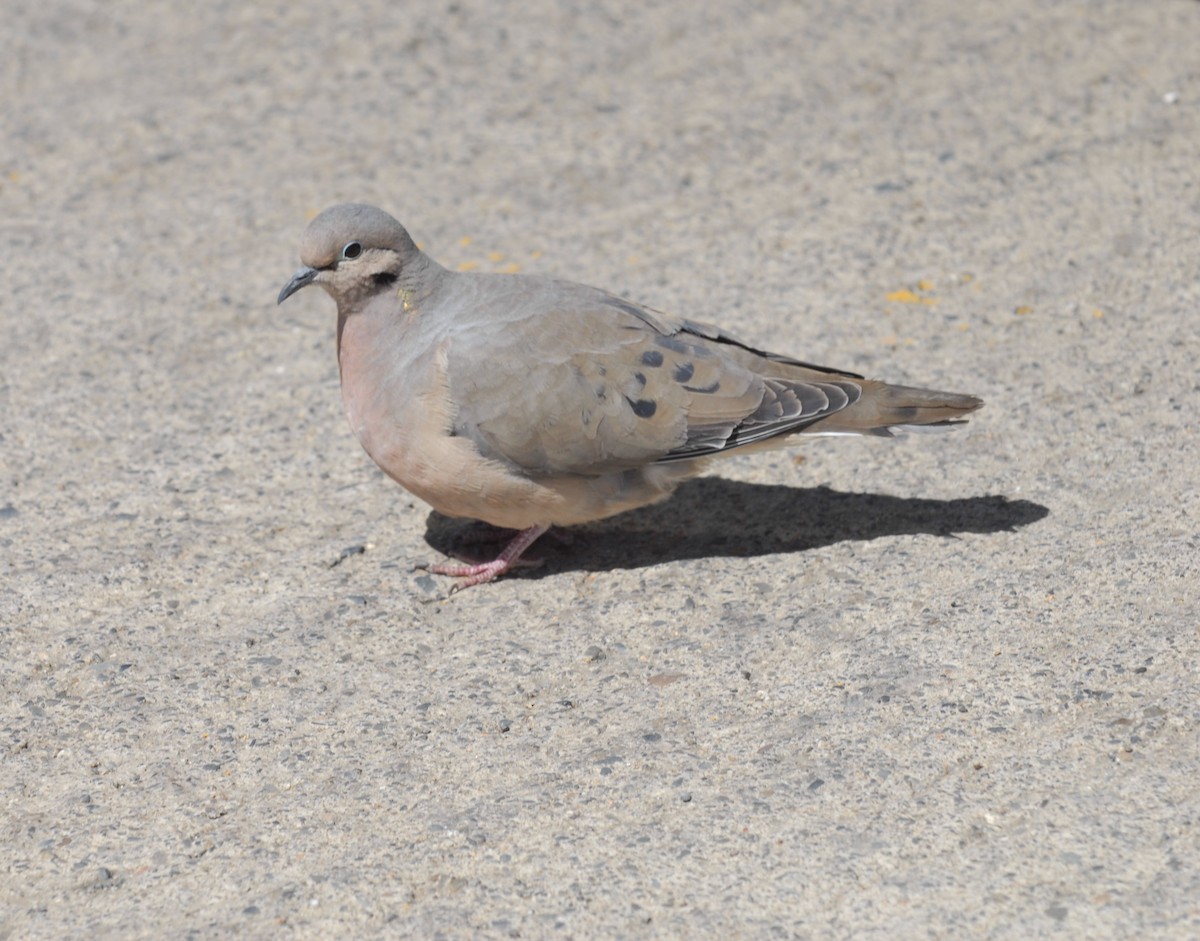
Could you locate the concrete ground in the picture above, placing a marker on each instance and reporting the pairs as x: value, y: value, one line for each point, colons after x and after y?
x: 935, y: 687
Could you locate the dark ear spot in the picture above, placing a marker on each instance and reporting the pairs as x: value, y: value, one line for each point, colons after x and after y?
x: 383, y: 279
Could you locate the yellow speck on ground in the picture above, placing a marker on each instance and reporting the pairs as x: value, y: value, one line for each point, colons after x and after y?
x: 512, y: 268
x: 968, y: 278
x: 925, y: 286
x: 535, y: 254
x: 905, y: 296
x: 468, y: 265
x: 632, y: 260
x: 1023, y: 310
x: 964, y: 326
x: 1097, y: 313
x: 494, y: 257
x: 465, y: 241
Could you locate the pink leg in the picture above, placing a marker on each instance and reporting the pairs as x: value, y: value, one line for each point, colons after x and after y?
x: 486, y: 571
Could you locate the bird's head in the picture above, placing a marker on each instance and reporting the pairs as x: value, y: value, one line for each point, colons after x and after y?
x: 352, y: 251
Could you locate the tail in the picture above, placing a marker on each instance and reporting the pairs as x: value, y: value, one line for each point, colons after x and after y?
x: 883, y: 409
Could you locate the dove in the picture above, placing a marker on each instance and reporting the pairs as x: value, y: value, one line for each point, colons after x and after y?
x: 528, y: 402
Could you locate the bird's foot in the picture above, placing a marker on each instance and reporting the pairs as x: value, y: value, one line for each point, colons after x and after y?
x: 483, y: 572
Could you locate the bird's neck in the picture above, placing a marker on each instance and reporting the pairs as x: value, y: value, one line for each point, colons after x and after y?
x: 396, y: 304
x: 383, y: 344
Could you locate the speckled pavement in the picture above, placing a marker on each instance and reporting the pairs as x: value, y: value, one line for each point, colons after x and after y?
x: 944, y: 686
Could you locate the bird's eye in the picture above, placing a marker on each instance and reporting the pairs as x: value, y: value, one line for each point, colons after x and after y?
x: 351, y: 250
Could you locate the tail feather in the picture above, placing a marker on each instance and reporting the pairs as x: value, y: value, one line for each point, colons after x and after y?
x: 883, y: 408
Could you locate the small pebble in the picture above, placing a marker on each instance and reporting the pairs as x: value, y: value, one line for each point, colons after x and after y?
x: 427, y: 584
x: 347, y: 553
x: 103, y: 879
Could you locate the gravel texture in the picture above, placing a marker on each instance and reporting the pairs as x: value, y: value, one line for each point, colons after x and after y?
x: 945, y: 686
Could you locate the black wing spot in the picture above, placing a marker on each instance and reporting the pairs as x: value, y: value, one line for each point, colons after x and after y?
x: 684, y: 371
x: 652, y: 358
x: 640, y: 378
x: 706, y: 390
x: 642, y: 408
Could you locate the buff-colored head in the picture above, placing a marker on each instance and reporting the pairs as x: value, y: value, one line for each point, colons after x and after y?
x: 352, y: 250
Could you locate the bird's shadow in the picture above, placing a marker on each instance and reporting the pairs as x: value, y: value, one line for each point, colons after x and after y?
x: 712, y: 516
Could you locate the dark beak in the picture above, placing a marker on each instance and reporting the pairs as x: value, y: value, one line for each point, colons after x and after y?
x: 300, y: 279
